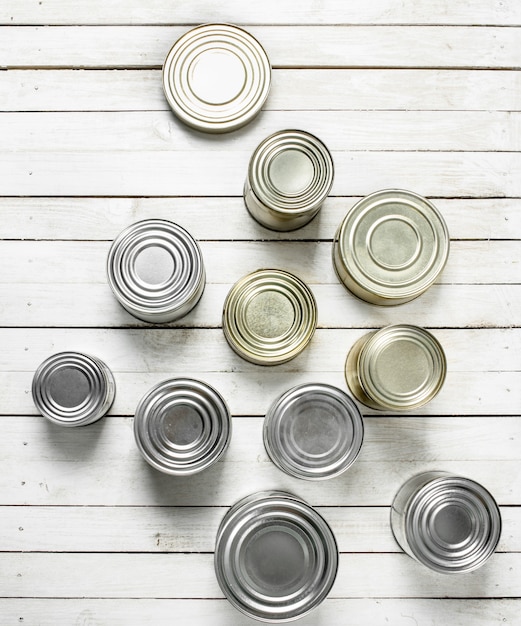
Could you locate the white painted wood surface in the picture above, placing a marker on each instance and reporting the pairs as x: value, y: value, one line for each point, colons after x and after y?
x: 417, y: 94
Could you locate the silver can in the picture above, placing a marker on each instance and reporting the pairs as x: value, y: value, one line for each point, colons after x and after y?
x: 448, y: 523
x: 276, y: 558
x: 155, y: 269
x: 73, y: 389
x: 182, y: 426
x: 289, y: 176
x: 313, y: 431
x: 216, y: 77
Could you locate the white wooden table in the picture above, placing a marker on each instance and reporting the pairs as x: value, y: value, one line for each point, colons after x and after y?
x: 419, y: 94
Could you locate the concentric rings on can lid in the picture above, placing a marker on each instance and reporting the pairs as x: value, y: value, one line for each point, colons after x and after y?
x: 452, y: 524
x: 155, y: 269
x: 216, y: 77
x: 313, y: 431
x: 399, y: 367
x: 391, y: 247
x: 73, y: 389
x: 182, y: 426
x: 291, y: 171
x: 269, y: 317
x: 276, y: 558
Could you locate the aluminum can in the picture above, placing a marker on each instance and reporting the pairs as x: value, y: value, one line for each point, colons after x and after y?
x: 73, y: 389
x: 448, y: 523
x: 289, y: 176
x: 216, y: 77
x: 391, y: 247
x: 313, y: 431
x: 276, y: 558
x: 155, y: 269
x: 182, y: 426
x: 269, y: 317
x: 396, y: 368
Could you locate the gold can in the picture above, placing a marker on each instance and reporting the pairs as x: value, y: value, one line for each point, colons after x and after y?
x: 397, y: 368
x: 391, y: 247
x: 269, y: 317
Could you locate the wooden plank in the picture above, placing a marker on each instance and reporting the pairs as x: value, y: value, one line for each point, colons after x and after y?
x: 192, y: 576
x: 287, y: 46
x: 358, y: 130
x: 102, y: 466
x: 271, y: 11
x: 103, y: 218
x: 106, y: 173
x: 368, y: 89
x: 364, y: 612
x: 188, y: 529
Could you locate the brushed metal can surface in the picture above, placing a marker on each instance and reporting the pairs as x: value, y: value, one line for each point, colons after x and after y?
x: 449, y: 523
x: 73, y: 389
x: 313, y: 431
x: 216, y: 77
x: 182, y: 426
x: 391, y: 247
x: 269, y: 317
x: 155, y: 270
x: 276, y: 558
x: 396, y: 368
x: 289, y: 176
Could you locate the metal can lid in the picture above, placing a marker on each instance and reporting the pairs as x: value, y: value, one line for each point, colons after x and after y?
x: 269, y: 316
x: 401, y: 367
x: 155, y: 268
x: 216, y: 77
x: 313, y: 431
x: 452, y: 524
x: 182, y: 426
x: 276, y: 558
x: 73, y: 389
x: 393, y: 244
x: 291, y: 171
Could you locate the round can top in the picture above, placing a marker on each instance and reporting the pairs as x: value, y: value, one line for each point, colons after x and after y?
x: 401, y: 367
x: 216, y: 77
x: 73, y: 389
x: 269, y: 316
x: 391, y: 246
x: 276, y: 558
x: 313, y: 431
x: 182, y: 426
x: 452, y: 524
x: 155, y: 269
x: 291, y: 171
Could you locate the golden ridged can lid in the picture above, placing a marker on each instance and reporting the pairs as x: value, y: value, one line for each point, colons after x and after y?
x: 391, y: 247
x: 269, y: 317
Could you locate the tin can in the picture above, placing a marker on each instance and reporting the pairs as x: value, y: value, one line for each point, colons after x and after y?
x: 73, y: 389
x: 216, y: 77
x: 182, y: 426
x: 155, y: 269
x: 391, y: 247
x: 289, y: 176
x: 396, y: 368
x: 276, y: 558
x: 448, y: 523
x: 269, y: 317
x: 313, y: 431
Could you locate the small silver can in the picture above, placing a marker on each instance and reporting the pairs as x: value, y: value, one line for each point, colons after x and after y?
x: 73, y: 389
x: 289, y: 176
x: 155, y: 270
x: 397, y: 368
x: 182, y: 426
x: 276, y: 558
x: 313, y: 431
x: 449, y: 523
x: 216, y: 77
